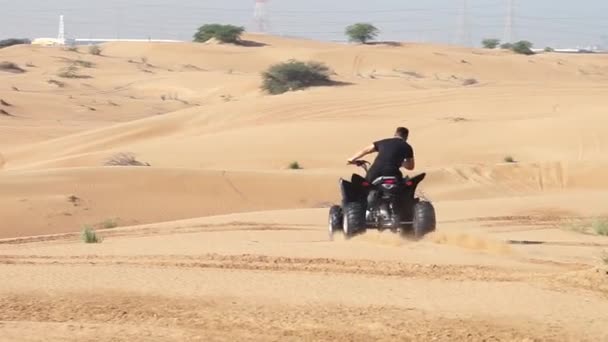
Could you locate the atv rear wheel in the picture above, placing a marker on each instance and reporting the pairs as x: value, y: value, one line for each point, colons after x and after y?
x: 424, y: 219
x: 354, y: 219
x: 335, y: 220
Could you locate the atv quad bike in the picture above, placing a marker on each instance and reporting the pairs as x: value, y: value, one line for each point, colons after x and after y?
x: 386, y: 203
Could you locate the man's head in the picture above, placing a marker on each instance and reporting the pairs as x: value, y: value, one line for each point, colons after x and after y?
x: 402, y: 133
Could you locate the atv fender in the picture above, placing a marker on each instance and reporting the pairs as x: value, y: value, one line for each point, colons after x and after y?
x: 353, y: 191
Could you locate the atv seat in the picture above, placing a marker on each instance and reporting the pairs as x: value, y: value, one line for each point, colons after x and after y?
x: 382, y: 179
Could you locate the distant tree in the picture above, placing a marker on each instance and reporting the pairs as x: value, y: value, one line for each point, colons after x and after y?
x: 525, y: 43
x: 361, y: 32
x: 523, y: 47
x: 223, y: 33
x: 13, y: 41
x: 549, y: 49
x: 490, y: 43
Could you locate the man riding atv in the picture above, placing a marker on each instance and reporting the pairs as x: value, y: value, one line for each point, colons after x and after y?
x: 393, y: 153
x: 384, y: 199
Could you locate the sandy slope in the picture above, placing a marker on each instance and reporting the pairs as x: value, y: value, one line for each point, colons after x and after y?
x: 217, y: 145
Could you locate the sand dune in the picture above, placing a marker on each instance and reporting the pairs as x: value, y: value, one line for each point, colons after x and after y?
x: 218, y: 240
x: 63, y: 200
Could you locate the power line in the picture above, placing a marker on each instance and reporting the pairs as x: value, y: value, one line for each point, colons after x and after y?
x: 261, y: 15
x: 508, y: 35
x: 61, y: 35
x: 464, y: 35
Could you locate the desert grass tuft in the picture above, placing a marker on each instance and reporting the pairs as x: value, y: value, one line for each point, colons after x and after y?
x: 89, y: 235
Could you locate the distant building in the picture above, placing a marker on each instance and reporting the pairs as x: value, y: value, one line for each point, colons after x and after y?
x: 53, y: 41
x: 572, y: 50
x: 61, y: 39
x: 84, y: 41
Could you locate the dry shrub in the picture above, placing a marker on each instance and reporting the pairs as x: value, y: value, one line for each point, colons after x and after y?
x: 409, y: 73
x: 11, y: 67
x: 71, y: 72
x: 109, y: 224
x: 95, y: 50
x: 124, y: 159
x: 82, y: 63
x: 5, y: 113
x: 469, y: 81
x: 57, y: 83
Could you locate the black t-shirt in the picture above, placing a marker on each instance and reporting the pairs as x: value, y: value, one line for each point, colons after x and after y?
x: 391, y: 154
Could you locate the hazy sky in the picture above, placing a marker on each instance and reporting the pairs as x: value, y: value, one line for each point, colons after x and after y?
x: 557, y: 23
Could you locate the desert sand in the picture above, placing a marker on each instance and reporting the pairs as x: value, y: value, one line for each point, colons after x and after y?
x: 217, y: 240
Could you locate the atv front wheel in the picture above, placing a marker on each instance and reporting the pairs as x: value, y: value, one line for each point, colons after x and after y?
x: 354, y: 219
x: 335, y: 220
x: 424, y: 219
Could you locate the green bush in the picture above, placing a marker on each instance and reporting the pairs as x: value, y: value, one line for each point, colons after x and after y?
x: 490, y: 43
x: 223, y: 33
x: 295, y: 166
x: 361, y: 32
x: 523, y: 47
x: 506, y: 46
x: 600, y: 226
x: 294, y: 75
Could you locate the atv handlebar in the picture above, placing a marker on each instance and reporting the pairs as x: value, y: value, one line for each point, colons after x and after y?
x: 360, y: 163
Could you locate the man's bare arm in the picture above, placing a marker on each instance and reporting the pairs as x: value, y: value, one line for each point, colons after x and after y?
x: 369, y: 149
x: 409, y: 164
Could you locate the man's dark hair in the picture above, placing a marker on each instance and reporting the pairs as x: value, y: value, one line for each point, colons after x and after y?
x: 402, y: 132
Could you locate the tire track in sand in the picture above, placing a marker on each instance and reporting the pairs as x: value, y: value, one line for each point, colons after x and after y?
x: 158, y: 229
x: 559, y: 277
x: 124, y: 316
x: 293, y: 264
